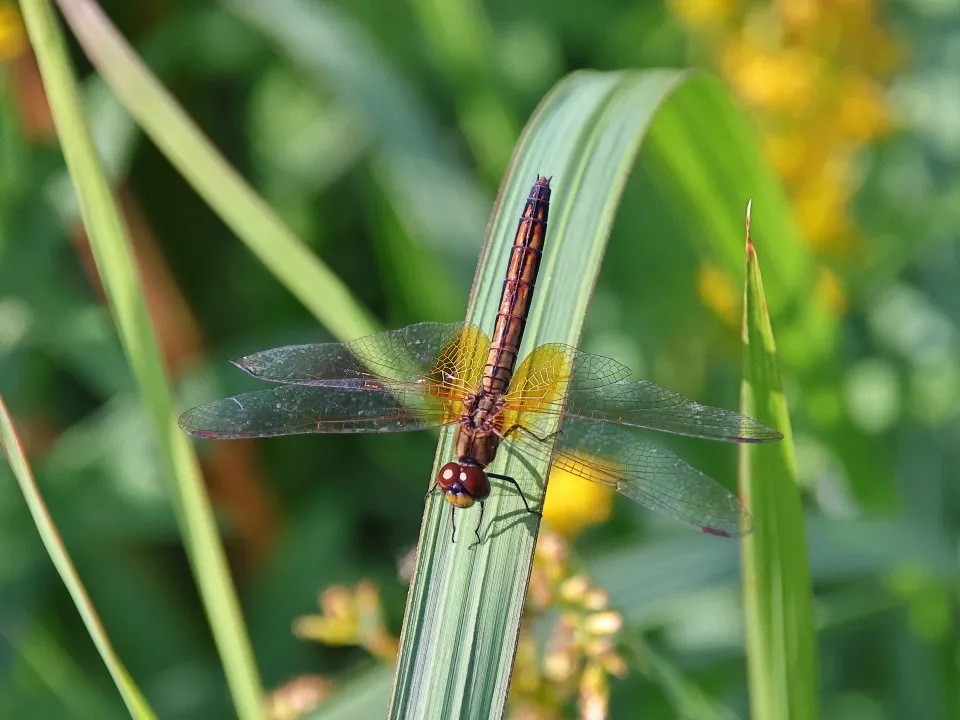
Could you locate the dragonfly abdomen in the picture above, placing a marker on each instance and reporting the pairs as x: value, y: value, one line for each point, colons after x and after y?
x: 518, y: 288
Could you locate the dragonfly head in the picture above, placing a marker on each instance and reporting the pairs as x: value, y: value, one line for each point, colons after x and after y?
x: 463, y: 484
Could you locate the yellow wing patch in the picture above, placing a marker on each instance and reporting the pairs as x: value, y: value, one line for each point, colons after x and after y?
x: 457, y: 370
x: 539, y: 386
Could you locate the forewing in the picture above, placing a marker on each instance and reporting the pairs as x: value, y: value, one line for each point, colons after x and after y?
x: 433, y: 364
x: 559, y: 379
x: 405, y: 355
x: 648, y: 405
x: 643, y: 471
x: 296, y: 410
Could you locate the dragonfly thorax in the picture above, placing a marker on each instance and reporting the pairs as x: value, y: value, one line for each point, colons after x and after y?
x: 463, y: 483
x: 483, y: 411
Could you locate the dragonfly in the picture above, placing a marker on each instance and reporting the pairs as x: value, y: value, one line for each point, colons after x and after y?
x: 576, y: 411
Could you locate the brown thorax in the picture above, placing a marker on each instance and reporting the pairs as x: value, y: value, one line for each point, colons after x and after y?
x: 479, y: 433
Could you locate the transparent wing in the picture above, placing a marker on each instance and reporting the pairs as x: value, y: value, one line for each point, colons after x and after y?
x: 407, y: 379
x: 641, y: 470
x: 431, y: 353
x: 559, y: 379
x: 296, y: 410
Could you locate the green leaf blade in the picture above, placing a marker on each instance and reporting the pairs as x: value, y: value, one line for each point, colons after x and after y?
x: 776, y: 570
x: 118, y: 272
x: 135, y: 701
x: 465, y: 604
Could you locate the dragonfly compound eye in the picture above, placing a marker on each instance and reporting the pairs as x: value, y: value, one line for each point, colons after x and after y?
x: 474, y: 481
x: 463, y: 485
x: 449, y: 474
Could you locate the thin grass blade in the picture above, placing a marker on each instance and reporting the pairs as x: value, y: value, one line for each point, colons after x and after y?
x: 134, y: 699
x: 118, y: 274
x: 776, y: 571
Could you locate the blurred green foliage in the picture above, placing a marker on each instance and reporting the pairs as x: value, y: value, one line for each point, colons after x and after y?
x: 379, y: 133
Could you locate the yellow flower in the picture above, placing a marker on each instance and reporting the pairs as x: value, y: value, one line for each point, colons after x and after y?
x: 607, y: 622
x: 773, y: 79
x: 581, y: 646
x: 812, y: 73
x: 574, y: 503
x: 820, y: 206
x: 703, y: 13
x: 718, y: 293
x: 338, y: 623
x: 574, y: 589
x: 350, y: 618
x: 594, y: 700
x: 862, y: 113
x: 298, y: 696
x: 831, y: 292
x: 800, y: 15
x: 13, y: 38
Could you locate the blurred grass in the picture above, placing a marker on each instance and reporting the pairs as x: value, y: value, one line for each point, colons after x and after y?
x: 135, y: 702
x: 364, y: 696
x: 118, y: 272
x: 689, y: 700
x: 418, y: 173
x: 778, y: 604
x: 212, y: 176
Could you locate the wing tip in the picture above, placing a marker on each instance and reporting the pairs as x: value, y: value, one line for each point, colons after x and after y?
x: 243, y: 364
x: 185, y: 423
x: 736, y: 529
x: 757, y: 432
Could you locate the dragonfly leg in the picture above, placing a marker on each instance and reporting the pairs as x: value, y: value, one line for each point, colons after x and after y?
x: 476, y: 530
x: 453, y: 525
x: 432, y: 488
x: 517, y: 486
x: 514, y: 428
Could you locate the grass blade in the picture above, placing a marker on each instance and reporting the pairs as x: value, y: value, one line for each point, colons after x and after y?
x: 776, y: 571
x: 115, y: 263
x: 136, y: 703
x: 464, y: 605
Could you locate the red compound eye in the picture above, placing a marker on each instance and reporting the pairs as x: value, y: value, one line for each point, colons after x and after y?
x: 467, y: 480
x: 475, y: 482
x: 449, y: 474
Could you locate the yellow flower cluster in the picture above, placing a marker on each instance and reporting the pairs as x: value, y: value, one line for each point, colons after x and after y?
x: 350, y: 617
x: 812, y: 73
x: 580, y: 654
x: 298, y: 696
